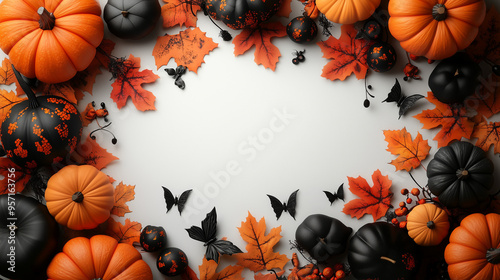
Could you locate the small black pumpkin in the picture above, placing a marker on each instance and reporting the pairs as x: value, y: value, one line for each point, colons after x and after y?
x: 302, y: 29
x: 172, y: 262
x: 454, y: 78
x: 240, y: 14
x: 131, y: 19
x: 322, y: 236
x: 41, y: 130
x: 382, y: 251
x: 381, y: 57
x: 153, y: 238
x: 29, y: 237
x: 460, y: 175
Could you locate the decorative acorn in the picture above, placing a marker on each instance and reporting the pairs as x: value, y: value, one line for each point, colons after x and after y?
x: 302, y: 29
x: 381, y: 57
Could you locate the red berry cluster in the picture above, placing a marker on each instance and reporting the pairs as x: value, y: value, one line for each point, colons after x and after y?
x: 403, y: 211
x: 335, y: 272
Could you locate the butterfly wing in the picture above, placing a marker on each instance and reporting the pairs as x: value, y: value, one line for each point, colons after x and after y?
x: 180, y: 83
x: 277, y: 206
x: 209, y: 225
x: 340, y: 192
x: 211, y: 253
x: 169, y: 198
x: 331, y: 197
x: 170, y: 71
x: 395, y: 94
x: 222, y: 247
x: 408, y: 102
x: 182, y: 200
x: 291, y: 203
x: 197, y: 233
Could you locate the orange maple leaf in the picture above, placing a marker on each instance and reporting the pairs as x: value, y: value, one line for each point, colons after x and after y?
x: 488, y: 133
x: 487, y: 44
x: 268, y: 276
x: 7, y: 100
x: 189, y: 274
x: 454, y: 121
x: 124, y: 233
x: 285, y: 8
x: 103, y: 55
x: 188, y: 48
x: 12, y: 174
x: 260, y: 254
x: 123, y: 194
x: 84, y: 80
x: 266, y: 53
x: 179, y: 12
x: 374, y: 200
x: 208, y: 271
x: 486, y: 100
x: 129, y: 85
x: 64, y: 90
x: 91, y: 153
x: 7, y: 76
x: 348, y: 55
x: 410, y: 152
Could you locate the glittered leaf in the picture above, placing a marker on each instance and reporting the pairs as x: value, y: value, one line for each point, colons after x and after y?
x: 266, y: 53
x: 91, y: 153
x: 124, y: 233
x: 347, y: 54
x: 179, y: 12
x: 188, y: 48
x: 12, y: 174
x: 410, y: 152
x: 488, y: 134
x: 6, y: 74
x: 129, y: 84
x: 7, y: 100
x: 374, y: 200
x: 486, y: 100
x: 487, y: 43
x: 123, y: 194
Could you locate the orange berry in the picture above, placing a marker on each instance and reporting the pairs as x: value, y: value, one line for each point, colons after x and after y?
x: 327, y: 272
x: 415, y: 191
x: 421, y: 201
x: 413, y: 57
x: 338, y: 266
x: 402, y: 204
x: 402, y: 224
x: 340, y: 274
x: 404, y: 191
x: 395, y: 221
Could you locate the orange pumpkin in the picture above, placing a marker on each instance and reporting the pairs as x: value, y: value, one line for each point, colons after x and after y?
x: 50, y: 39
x: 100, y: 257
x: 79, y: 197
x: 436, y: 29
x: 427, y: 224
x: 347, y: 11
x: 474, y: 248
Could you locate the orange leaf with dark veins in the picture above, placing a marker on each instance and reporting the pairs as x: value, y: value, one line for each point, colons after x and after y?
x: 266, y: 53
x: 410, y: 152
x: 285, y: 8
x: 103, y: 54
x: 189, y: 274
x: 208, y: 271
x: 486, y: 100
x: 91, y: 153
x: 12, y: 174
x: 347, y: 54
x: 124, y: 233
x: 123, y: 194
x: 64, y: 90
x: 128, y: 84
x: 7, y: 100
x: 268, y: 276
x: 454, y: 121
x: 487, y: 43
x: 488, y: 134
x: 374, y: 200
x: 310, y: 8
x: 180, y: 12
x: 6, y: 74
x: 188, y: 48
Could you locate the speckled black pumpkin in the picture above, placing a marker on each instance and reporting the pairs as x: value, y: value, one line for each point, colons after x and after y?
x: 172, y: 262
x: 302, y: 29
x: 153, y: 238
x: 240, y: 14
x: 381, y: 57
x: 131, y: 19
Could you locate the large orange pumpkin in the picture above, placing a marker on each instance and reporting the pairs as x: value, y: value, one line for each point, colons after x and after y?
x: 436, y: 29
x: 347, y: 11
x: 100, y: 257
x: 50, y: 39
x: 427, y: 224
x: 79, y: 197
x: 474, y: 249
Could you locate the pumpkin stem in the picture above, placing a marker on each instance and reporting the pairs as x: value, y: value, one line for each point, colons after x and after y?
x: 456, y: 73
x: 431, y: 224
x: 125, y: 14
x: 33, y: 102
x: 387, y: 259
x: 47, y: 20
x: 439, y: 12
x: 462, y: 174
x: 77, y: 197
x: 493, y: 255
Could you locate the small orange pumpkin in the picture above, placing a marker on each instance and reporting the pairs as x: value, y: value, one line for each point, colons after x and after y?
x: 52, y: 39
x: 79, y: 197
x: 427, y: 224
x: 100, y: 257
x: 474, y: 248
x: 347, y: 11
x: 436, y: 29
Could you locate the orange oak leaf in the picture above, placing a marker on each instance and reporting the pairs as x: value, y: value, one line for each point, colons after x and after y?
x: 486, y: 100
x: 268, y: 276
x: 188, y: 48
x: 6, y: 74
x: 266, y: 53
x: 260, y: 254
x: 208, y: 271
x: 374, y: 200
x: 410, y: 152
x: 487, y: 43
x: 123, y: 194
x: 454, y: 121
x: 7, y: 100
x: 488, y: 134
x: 91, y: 153
x: 12, y: 174
x: 128, y: 84
x: 124, y: 233
x: 179, y: 12
x: 285, y: 8
x: 347, y: 54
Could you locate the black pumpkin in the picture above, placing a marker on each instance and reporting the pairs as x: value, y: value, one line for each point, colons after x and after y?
x: 172, y: 262
x: 460, y: 175
x: 239, y: 14
x: 322, y: 236
x: 131, y: 19
x: 29, y: 237
x: 382, y: 251
x: 381, y: 57
x: 153, y: 238
x: 454, y: 78
x: 302, y: 29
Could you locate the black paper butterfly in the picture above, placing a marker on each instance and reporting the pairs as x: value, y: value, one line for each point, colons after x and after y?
x: 180, y: 201
x: 207, y: 234
x: 177, y: 74
x: 334, y: 196
x: 404, y: 103
x: 288, y: 206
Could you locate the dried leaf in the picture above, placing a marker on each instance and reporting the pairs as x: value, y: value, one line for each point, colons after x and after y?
x: 189, y: 274
x: 103, y: 55
x: 188, y: 48
x: 124, y: 233
x: 86, y: 121
x: 208, y: 270
x: 179, y: 12
x: 12, y: 174
x: 129, y: 85
x: 285, y: 8
x: 268, y: 276
x: 84, y: 80
x: 348, y: 55
x: 410, y: 152
x: 487, y: 43
x: 310, y: 8
x: 64, y: 90
x: 266, y: 53
x: 123, y: 194
x: 486, y: 100
x: 260, y: 254
x: 6, y: 74
x: 7, y: 100
x: 91, y: 153
x: 374, y: 200
x: 488, y: 134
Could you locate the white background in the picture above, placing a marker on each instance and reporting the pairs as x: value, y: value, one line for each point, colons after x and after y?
x: 195, y: 133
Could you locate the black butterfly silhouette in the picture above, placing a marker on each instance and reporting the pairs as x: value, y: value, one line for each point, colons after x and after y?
x: 404, y: 103
x: 177, y: 74
x: 288, y: 206
x: 207, y: 234
x: 334, y: 196
x: 170, y: 200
